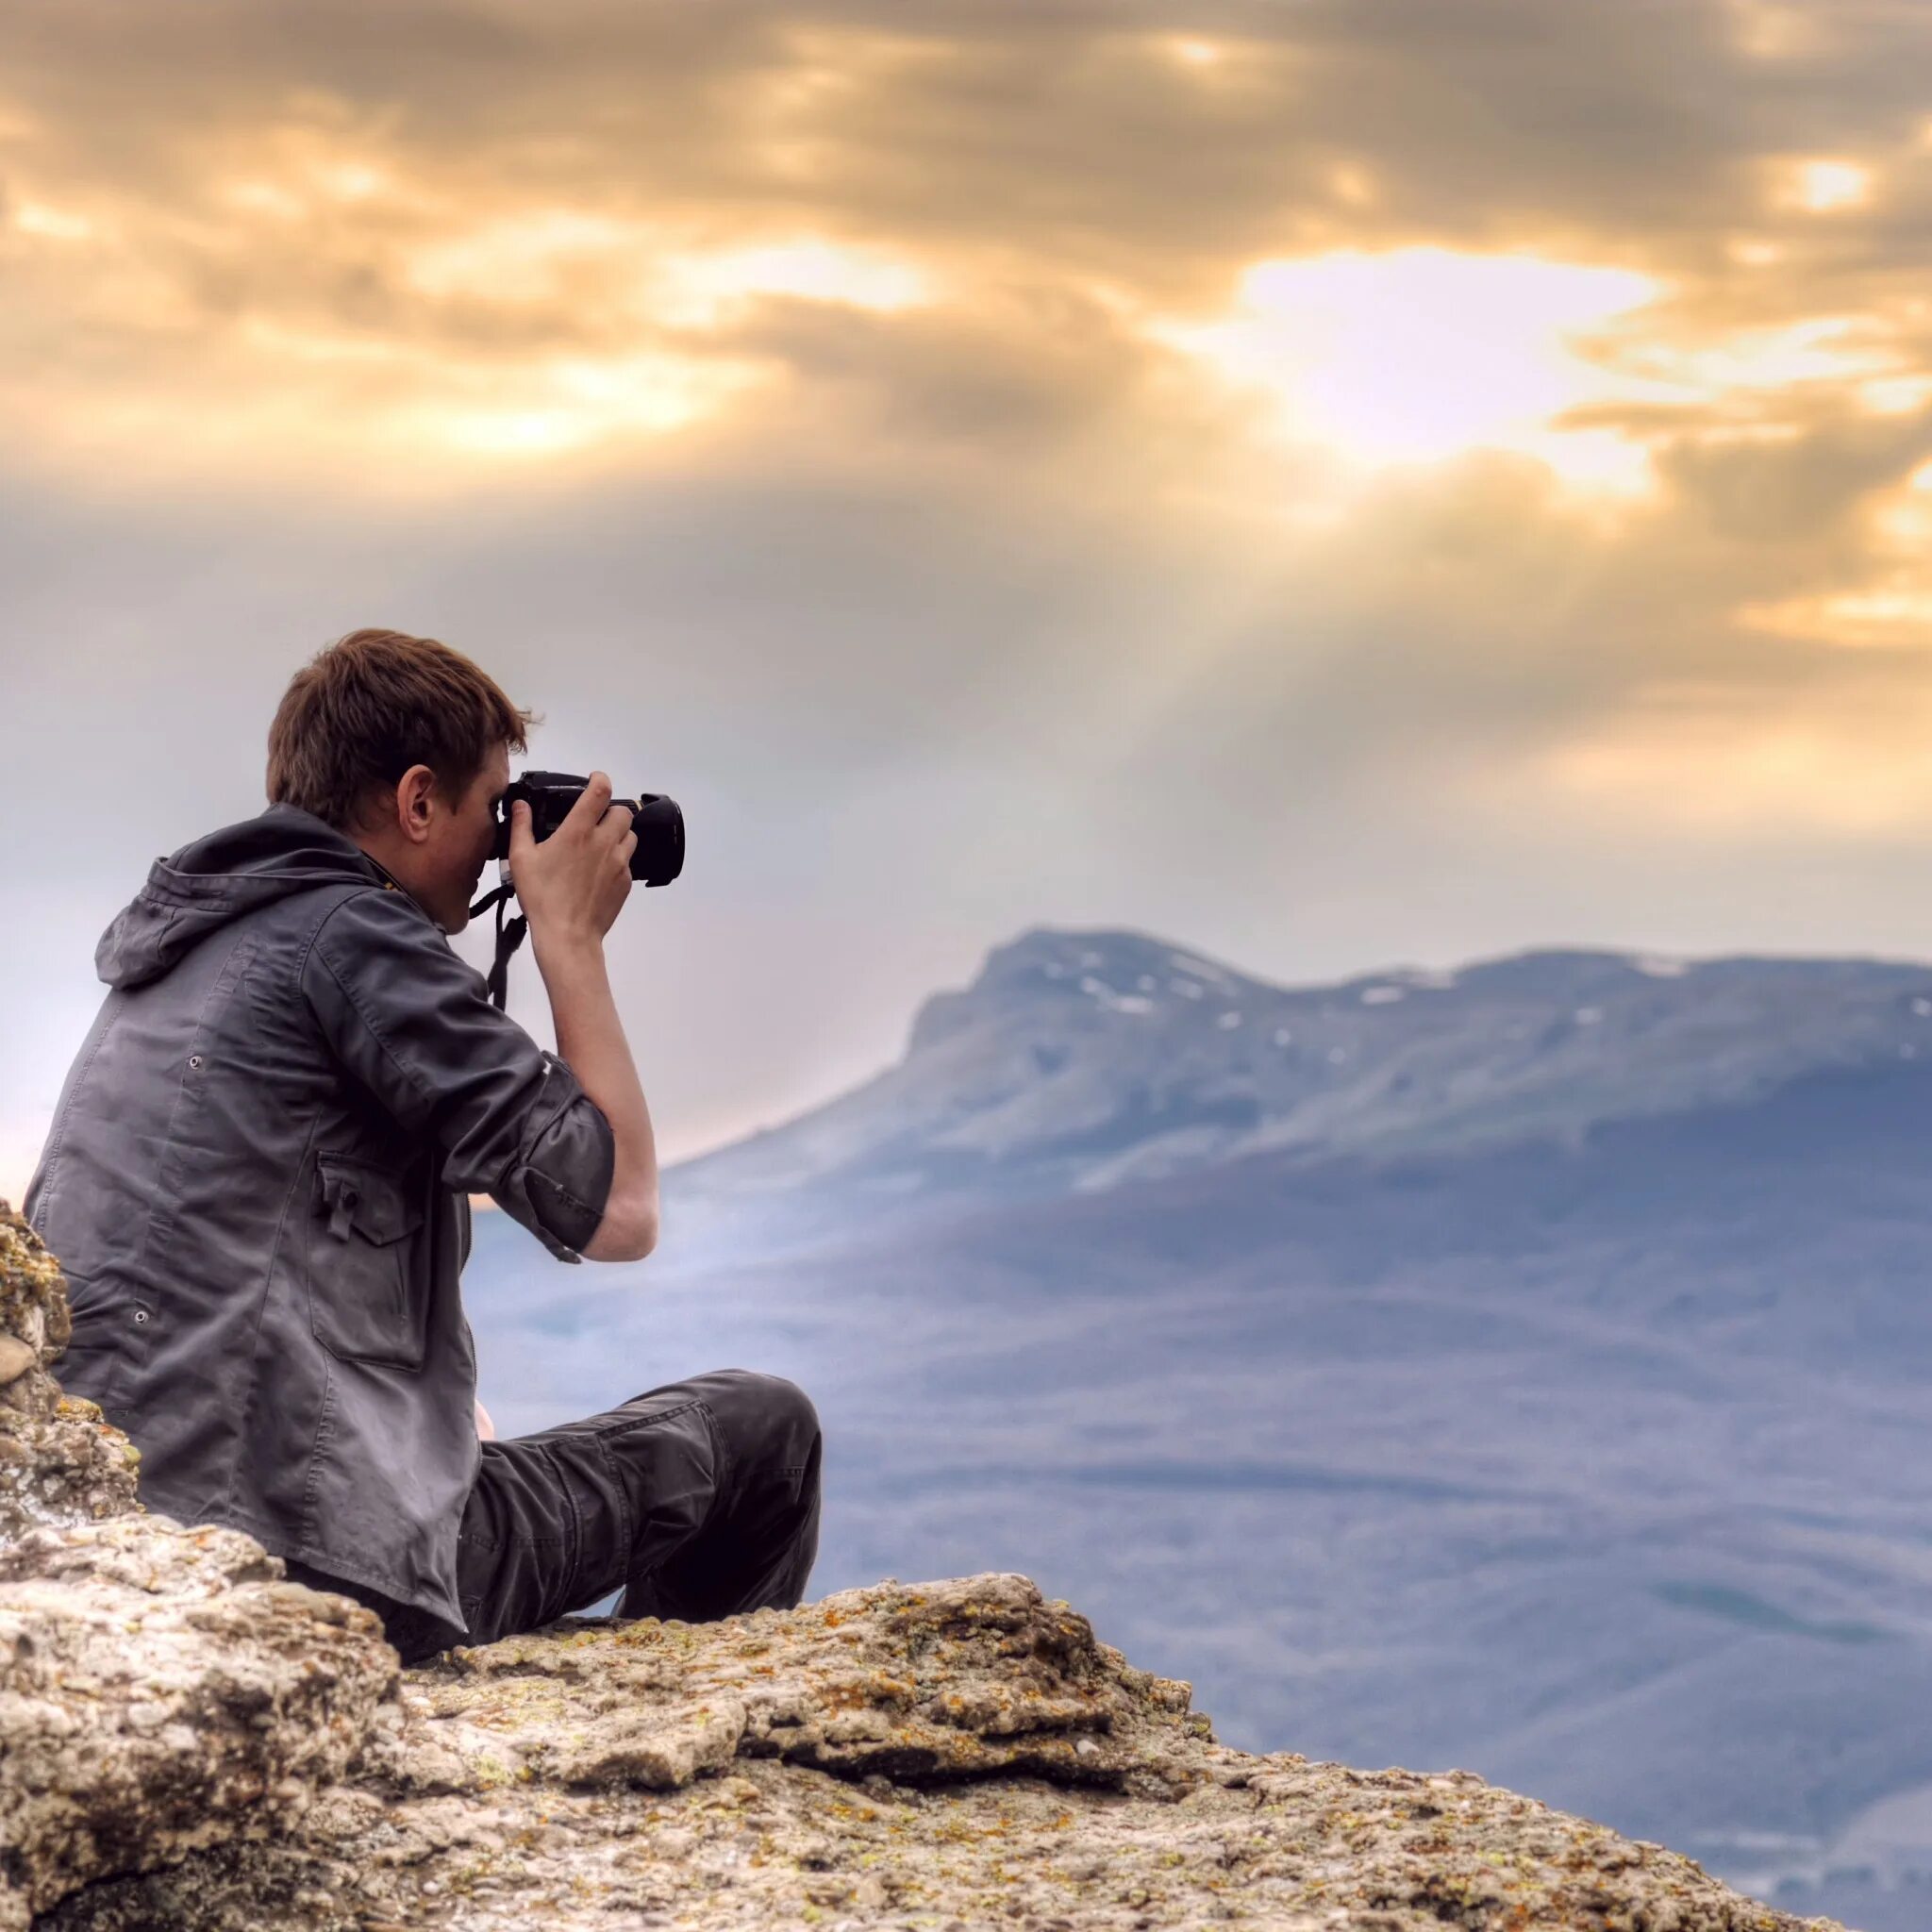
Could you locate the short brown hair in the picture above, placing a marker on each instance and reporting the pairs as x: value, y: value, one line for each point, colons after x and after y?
x: 366, y: 708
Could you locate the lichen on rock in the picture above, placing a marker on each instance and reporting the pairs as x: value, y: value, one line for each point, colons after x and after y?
x: 59, y: 1462
x: 187, y: 1739
x: 966, y: 1677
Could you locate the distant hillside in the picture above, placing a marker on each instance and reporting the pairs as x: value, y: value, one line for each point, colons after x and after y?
x: 1527, y: 1368
x: 1077, y: 1061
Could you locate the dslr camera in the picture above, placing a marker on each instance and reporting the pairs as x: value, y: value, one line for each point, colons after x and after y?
x: 656, y: 860
x: 659, y: 856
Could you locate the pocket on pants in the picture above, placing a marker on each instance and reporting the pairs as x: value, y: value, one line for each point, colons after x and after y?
x: 362, y: 1304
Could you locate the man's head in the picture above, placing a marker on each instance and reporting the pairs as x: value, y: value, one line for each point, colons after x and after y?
x: 403, y: 745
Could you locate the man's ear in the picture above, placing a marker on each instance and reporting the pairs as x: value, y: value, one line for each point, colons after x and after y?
x: 413, y: 795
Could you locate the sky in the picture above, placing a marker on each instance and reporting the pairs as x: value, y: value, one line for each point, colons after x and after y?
x: 1336, y: 484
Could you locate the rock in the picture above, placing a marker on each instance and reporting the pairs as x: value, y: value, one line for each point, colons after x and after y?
x: 162, y: 1689
x: 60, y: 1462
x: 961, y: 1678
x: 160, y: 1692
x: 33, y: 1297
x: 189, y: 1741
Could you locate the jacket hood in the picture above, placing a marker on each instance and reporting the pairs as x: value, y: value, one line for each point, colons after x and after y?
x: 222, y: 876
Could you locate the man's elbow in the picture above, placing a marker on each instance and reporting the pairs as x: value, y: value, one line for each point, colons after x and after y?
x: 627, y: 1232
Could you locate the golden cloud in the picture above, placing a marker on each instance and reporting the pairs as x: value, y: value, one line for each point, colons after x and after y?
x: 1232, y: 275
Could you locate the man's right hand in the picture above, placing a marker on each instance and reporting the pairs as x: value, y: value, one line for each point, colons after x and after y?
x: 572, y: 885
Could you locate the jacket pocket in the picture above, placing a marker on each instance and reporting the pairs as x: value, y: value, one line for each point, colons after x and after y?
x: 364, y: 1264
x: 109, y: 1345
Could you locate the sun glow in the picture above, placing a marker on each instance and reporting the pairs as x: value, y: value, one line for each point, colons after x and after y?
x: 578, y: 403
x: 699, y: 288
x: 1425, y: 353
x: 1822, y: 185
x: 53, y: 223
x: 619, y: 336
x: 1820, y: 349
x: 652, y: 270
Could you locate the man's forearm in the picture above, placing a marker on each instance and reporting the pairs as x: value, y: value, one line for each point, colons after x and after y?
x: 591, y: 1038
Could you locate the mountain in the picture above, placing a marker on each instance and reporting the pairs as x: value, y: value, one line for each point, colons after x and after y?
x: 1079, y: 1061
x: 1522, y: 1367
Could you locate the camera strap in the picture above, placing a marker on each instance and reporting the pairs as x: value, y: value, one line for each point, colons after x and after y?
x: 508, y: 937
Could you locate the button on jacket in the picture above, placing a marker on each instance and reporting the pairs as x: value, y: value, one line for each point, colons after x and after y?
x: 256, y: 1185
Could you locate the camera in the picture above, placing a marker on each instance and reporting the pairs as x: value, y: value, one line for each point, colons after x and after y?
x: 658, y: 855
x: 656, y: 858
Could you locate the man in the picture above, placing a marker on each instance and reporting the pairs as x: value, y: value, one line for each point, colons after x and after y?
x: 256, y: 1182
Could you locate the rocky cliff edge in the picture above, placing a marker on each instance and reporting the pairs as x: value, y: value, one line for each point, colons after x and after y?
x: 189, y: 1739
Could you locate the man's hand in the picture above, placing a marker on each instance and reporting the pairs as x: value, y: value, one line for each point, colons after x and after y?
x: 572, y: 885
x: 486, y: 1429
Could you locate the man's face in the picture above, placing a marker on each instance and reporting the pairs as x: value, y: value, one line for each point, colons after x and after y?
x: 463, y: 847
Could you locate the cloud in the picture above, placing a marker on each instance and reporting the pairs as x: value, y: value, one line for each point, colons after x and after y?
x: 1290, y: 477
x: 500, y: 233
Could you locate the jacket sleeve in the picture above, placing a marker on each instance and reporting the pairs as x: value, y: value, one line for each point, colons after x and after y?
x: 414, y: 1024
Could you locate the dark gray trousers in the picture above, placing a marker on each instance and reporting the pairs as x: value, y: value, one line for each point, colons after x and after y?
x: 699, y: 1500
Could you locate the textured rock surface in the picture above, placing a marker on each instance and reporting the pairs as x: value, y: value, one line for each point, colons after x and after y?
x: 58, y: 1461
x: 187, y: 1739
x: 162, y: 1688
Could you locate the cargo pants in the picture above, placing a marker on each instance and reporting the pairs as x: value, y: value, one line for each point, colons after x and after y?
x: 698, y: 1500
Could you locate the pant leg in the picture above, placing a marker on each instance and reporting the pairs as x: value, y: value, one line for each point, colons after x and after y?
x: 757, y: 1545
x: 553, y: 1515
x: 699, y: 1499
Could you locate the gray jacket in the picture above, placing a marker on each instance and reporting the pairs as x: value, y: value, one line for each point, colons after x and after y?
x: 256, y: 1183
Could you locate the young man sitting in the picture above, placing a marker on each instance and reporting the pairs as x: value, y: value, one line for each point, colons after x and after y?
x: 256, y: 1182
